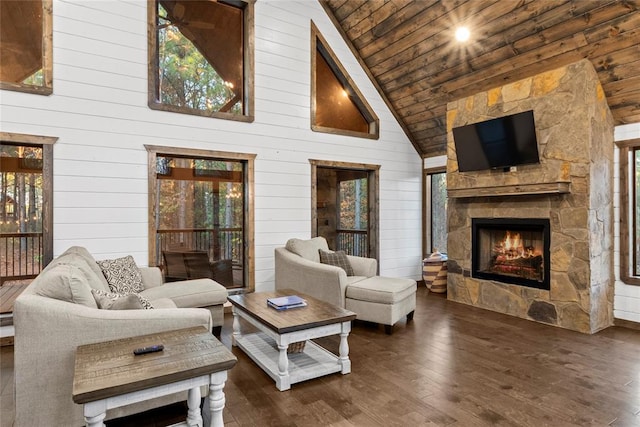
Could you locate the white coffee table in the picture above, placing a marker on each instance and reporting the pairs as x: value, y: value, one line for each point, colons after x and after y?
x: 278, y: 329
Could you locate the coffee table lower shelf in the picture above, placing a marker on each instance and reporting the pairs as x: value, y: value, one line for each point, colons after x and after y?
x: 313, y: 362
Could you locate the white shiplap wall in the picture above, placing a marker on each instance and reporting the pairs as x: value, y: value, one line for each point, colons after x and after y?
x: 626, y: 303
x: 99, y: 112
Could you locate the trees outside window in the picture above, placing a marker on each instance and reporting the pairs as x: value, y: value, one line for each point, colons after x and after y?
x: 201, y: 61
x: 353, y: 215
x: 436, y: 211
x: 26, y: 176
x: 200, y: 210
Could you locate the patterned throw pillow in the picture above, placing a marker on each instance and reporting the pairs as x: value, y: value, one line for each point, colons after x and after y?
x: 116, y: 301
x: 123, y: 275
x: 338, y: 258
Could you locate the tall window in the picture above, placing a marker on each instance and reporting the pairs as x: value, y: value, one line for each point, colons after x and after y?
x: 201, y: 216
x: 25, y: 46
x: 337, y: 106
x: 436, y: 211
x: 353, y: 215
x: 630, y: 211
x: 200, y: 58
x: 26, y: 243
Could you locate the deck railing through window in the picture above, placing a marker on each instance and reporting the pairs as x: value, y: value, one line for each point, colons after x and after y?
x: 219, y: 243
x: 20, y: 256
x: 353, y: 242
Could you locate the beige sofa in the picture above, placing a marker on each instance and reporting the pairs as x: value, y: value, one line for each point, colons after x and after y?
x: 54, y: 315
x: 383, y: 300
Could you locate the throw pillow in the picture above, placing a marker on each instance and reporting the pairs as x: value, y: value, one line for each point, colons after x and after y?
x: 338, y: 258
x: 123, y: 275
x: 116, y: 301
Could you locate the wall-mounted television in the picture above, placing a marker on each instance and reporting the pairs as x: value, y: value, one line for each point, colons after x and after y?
x: 497, y: 143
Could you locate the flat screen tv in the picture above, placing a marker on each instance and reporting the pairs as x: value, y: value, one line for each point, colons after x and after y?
x: 497, y: 143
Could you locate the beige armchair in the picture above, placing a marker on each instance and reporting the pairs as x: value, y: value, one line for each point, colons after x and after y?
x: 373, y: 298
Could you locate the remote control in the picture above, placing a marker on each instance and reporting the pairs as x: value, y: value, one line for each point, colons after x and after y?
x: 150, y: 349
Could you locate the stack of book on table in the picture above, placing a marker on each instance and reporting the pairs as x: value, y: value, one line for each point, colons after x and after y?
x: 285, y: 303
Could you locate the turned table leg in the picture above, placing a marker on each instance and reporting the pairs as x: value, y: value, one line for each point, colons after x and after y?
x: 344, y: 348
x: 216, y: 398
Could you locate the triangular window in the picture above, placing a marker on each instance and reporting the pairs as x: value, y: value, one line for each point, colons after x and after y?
x: 26, y: 32
x: 337, y: 106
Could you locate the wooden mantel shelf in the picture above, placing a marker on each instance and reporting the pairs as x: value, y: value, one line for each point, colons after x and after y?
x: 558, y: 187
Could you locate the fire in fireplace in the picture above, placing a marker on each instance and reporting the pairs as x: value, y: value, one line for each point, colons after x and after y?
x: 511, y: 250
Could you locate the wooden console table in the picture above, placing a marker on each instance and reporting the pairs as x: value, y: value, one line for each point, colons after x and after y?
x: 108, y: 375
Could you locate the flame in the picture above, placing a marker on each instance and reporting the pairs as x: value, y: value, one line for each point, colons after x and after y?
x: 512, y: 247
x: 514, y: 243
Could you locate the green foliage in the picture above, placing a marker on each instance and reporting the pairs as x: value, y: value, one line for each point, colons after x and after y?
x: 439, y: 212
x: 36, y: 79
x: 186, y: 78
x: 188, y: 204
x: 354, y: 208
x: 20, y: 193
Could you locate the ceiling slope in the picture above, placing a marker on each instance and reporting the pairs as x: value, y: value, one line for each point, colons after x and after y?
x: 408, y: 49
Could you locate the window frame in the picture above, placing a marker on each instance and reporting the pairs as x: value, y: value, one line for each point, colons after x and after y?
x: 153, y: 151
x: 427, y: 232
x: 373, y: 172
x: 46, y: 142
x: 47, y: 57
x: 344, y: 78
x: 628, y: 224
x: 248, y: 66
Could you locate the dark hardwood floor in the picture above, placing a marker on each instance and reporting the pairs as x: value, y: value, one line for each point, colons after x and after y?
x: 454, y: 365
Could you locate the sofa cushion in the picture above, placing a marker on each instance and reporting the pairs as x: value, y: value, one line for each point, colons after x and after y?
x: 383, y: 290
x: 92, y: 274
x: 84, y: 254
x: 122, y: 274
x: 163, y: 303
x: 64, y: 282
x: 189, y: 293
x: 117, y: 301
x: 337, y: 258
x: 307, y: 249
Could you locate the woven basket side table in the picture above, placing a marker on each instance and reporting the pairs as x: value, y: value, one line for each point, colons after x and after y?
x: 434, y: 273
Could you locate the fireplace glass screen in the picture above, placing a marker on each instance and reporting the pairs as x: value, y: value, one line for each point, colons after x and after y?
x: 511, y: 250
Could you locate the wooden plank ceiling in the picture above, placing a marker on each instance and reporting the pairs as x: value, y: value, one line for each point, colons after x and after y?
x: 409, y: 49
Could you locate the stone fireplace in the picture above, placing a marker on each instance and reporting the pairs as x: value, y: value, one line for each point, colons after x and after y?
x: 571, y: 284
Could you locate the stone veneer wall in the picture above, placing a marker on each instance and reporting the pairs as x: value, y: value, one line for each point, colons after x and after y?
x: 574, y: 128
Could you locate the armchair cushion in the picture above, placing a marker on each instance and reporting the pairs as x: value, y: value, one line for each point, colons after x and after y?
x: 308, y: 249
x: 122, y: 274
x: 383, y: 290
x: 337, y: 258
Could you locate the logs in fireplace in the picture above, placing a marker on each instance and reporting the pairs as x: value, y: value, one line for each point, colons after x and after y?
x: 511, y: 250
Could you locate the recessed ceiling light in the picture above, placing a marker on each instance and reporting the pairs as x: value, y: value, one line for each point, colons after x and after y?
x: 462, y: 34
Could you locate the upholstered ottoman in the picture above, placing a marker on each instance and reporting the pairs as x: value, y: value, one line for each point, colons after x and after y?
x: 382, y: 300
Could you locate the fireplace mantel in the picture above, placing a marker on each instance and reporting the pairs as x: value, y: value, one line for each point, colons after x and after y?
x: 557, y: 187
